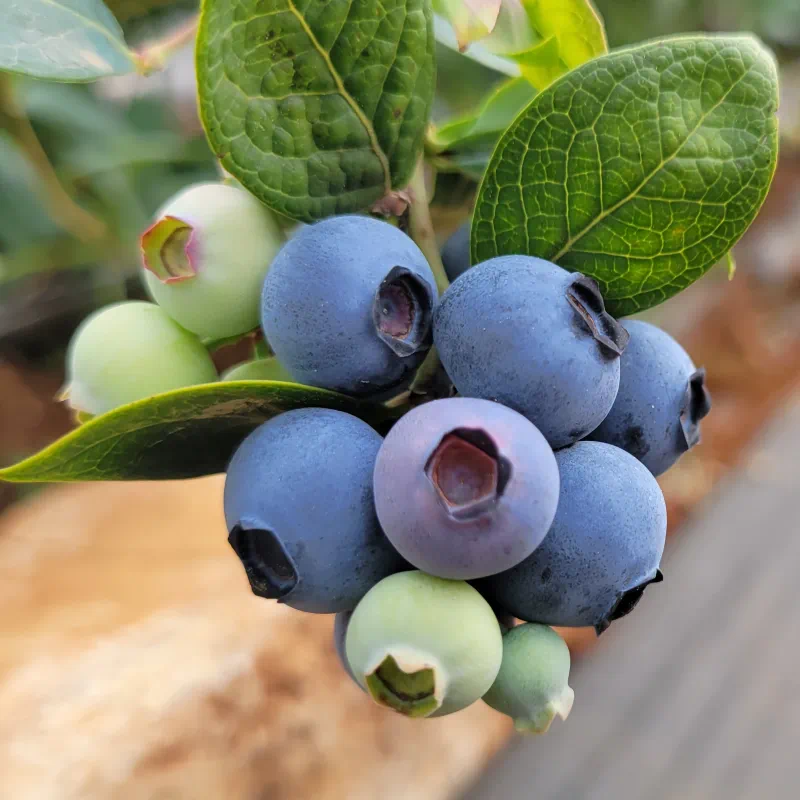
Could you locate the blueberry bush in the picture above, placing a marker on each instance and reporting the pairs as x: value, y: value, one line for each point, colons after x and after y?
x: 430, y: 461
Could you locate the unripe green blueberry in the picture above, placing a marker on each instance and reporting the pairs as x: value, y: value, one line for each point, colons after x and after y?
x: 424, y: 646
x: 205, y: 258
x: 262, y: 369
x: 129, y: 351
x: 531, y: 686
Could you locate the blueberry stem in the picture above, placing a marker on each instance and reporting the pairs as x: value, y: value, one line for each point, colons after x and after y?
x: 421, y: 226
x: 261, y: 348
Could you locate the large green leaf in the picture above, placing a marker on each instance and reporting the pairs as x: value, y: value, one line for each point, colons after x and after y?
x: 318, y: 107
x: 181, y: 434
x: 641, y: 168
x: 62, y: 40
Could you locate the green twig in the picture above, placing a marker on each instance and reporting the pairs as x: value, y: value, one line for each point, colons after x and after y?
x: 155, y: 55
x: 421, y: 225
x: 63, y: 209
x: 261, y: 348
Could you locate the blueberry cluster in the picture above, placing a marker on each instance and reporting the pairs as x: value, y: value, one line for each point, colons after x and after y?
x: 527, y: 492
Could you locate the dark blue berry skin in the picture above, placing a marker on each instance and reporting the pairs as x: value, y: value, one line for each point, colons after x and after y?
x: 300, y: 511
x: 455, y: 253
x: 660, y: 402
x: 528, y: 334
x: 465, y: 487
x: 604, y: 546
x: 347, y: 305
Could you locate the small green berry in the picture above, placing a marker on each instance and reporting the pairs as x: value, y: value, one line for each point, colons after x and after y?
x: 531, y: 686
x: 262, y: 369
x: 205, y: 258
x: 129, y: 351
x: 424, y: 646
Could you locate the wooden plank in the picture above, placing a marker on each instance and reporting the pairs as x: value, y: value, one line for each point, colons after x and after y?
x: 136, y: 664
x: 693, y: 695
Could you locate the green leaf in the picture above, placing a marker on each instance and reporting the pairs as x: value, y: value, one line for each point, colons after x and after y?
x: 490, y: 120
x: 471, y: 19
x: 466, y: 144
x: 641, y: 168
x: 62, y: 40
x: 181, y: 434
x: 125, y: 10
x: 571, y: 33
x: 317, y: 107
x: 478, y: 52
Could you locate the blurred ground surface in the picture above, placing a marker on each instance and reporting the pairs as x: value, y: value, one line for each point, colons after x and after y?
x: 136, y: 664
x: 696, y: 695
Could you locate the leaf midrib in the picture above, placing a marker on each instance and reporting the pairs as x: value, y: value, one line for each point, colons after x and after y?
x: 349, y: 99
x: 114, y: 40
x: 647, y: 178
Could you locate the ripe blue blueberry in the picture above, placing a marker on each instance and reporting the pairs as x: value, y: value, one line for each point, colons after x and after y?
x: 424, y: 646
x: 661, y: 400
x: 205, y: 258
x: 455, y: 252
x: 603, y: 548
x: 299, y: 509
x: 528, y: 334
x: 465, y: 487
x: 347, y: 305
x: 129, y: 351
x: 532, y: 685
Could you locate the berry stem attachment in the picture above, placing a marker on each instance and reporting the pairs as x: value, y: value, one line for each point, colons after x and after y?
x: 155, y: 55
x: 421, y: 225
x: 261, y: 348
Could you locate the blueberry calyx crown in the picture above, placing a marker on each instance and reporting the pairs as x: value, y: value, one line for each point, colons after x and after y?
x: 468, y: 473
x: 584, y: 296
x: 270, y: 569
x: 626, y: 602
x: 410, y: 693
x: 402, y: 312
x: 696, y: 405
x: 165, y: 250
